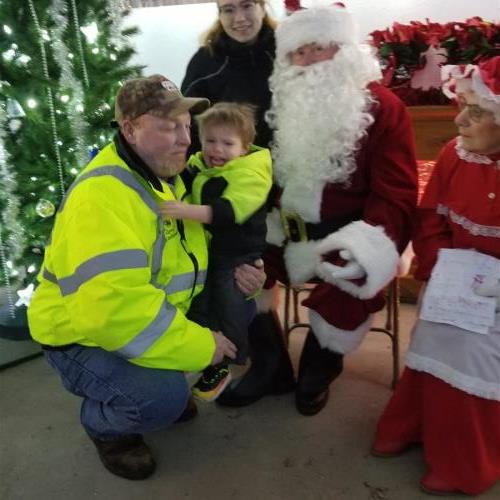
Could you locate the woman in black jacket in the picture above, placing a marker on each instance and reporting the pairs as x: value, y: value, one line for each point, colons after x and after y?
x: 235, y: 61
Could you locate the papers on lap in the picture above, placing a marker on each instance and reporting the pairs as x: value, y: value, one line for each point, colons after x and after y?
x: 449, y: 296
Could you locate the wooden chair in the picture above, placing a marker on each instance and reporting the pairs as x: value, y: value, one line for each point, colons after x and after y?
x: 291, y: 319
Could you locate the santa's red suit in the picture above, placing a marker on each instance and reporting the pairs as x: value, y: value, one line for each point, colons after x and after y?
x: 371, y: 217
x: 449, y: 396
x: 344, y: 161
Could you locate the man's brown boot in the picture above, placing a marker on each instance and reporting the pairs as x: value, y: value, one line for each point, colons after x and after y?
x: 127, y: 457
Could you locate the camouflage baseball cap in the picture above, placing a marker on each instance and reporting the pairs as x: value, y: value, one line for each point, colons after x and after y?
x: 157, y: 94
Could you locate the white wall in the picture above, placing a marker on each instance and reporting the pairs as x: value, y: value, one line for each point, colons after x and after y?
x: 169, y: 35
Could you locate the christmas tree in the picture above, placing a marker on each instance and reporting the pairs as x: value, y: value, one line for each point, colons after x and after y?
x: 61, y: 63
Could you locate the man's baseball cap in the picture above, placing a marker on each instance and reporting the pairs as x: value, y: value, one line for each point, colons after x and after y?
x: 157, y: 94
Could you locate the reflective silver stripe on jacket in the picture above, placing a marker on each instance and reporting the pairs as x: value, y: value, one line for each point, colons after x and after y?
x: 125, y: 176
x: 158, y: 247
x: 145, y: 339
x: 184, y: 282
x: 122, y: 259
x: 129, y: 259
x: 49, y: 276
x: 202, y: 277
x: 111, y: 261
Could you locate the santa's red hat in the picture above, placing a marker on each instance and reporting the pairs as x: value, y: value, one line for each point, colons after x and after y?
x: 323, y: 25
x: 484, y: 79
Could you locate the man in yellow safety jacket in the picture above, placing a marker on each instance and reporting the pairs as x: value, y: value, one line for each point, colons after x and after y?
x: 118, y: 280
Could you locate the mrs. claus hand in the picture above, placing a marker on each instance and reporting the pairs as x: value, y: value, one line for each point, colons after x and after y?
x: 490, y: 288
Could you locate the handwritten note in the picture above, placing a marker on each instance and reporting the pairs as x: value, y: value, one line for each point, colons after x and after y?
x: 450, y: 297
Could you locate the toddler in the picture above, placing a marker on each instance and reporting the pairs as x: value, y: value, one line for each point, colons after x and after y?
x: 229, y: 181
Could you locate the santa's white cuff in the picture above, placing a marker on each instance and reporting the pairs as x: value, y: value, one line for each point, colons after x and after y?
x: 301, y: 259
x: 337, y: 339
x: 372, y: 249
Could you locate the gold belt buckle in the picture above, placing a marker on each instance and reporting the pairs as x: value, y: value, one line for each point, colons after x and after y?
x: 294, y: 226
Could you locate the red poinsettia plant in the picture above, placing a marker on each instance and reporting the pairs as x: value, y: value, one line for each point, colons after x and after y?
x: 292, y: 5
x: 402, y: 51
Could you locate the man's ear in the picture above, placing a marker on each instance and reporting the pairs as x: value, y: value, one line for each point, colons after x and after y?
x: 128, y: 130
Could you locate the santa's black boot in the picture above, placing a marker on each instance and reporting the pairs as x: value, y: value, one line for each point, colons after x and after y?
x: 318, y: 367
x: 270, y: 372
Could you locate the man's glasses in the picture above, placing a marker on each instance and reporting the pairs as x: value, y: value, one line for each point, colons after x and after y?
x: 230, y: 10
x: 475, y: 112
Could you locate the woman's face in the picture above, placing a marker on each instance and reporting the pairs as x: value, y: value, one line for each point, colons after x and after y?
x: 480, y: 134
x: 241, y: 19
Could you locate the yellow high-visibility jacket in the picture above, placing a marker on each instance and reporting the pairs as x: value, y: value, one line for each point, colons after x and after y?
x: 115, y: 275
x: 248, y: 181
x: 237, y: 193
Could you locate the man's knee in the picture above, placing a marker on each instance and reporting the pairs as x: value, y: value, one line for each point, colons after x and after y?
x: 165, y: 405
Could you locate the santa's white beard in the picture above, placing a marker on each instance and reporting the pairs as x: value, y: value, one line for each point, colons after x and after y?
x: 319, y: 113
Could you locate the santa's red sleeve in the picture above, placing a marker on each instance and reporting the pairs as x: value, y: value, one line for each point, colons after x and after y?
x: 387, y: 159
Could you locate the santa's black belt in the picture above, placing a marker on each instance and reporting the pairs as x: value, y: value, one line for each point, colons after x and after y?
x: 296, y: 229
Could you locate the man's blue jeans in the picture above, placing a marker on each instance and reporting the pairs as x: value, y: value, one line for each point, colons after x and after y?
x: 119, y: 398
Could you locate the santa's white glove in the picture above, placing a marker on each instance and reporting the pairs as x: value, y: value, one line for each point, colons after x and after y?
x: 490, y: 288
x: 332, y: 273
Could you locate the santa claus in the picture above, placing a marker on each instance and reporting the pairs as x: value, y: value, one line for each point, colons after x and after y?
x: 345, y: 169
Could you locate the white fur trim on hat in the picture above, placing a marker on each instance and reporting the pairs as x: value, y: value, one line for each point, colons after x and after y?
x: 482, y: 90
x: 301, y: 259
x: 372, y: 249
x: 450, y: 74
x: 323, y: 25
x: 336, y: 339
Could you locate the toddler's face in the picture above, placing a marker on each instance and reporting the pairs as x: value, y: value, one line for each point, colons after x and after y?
x: 221, y: 144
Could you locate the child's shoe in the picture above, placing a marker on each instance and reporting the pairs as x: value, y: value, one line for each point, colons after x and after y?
x: 212, y: 382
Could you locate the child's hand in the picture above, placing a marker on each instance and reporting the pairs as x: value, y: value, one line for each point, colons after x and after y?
x: 174, y: 209
x: 181, y: 210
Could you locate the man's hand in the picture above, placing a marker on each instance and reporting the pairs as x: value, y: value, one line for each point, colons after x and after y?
x: 350, y: 271
x: 490, y: 288
x: 223, y: 347
x: 250, y: 278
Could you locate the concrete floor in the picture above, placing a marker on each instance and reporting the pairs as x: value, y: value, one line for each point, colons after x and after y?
x: 265, y: 451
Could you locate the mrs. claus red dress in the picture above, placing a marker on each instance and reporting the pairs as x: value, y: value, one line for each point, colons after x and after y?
x: 448, y: 398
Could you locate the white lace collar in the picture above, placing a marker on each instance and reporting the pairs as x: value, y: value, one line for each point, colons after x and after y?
x: 471, y: 157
